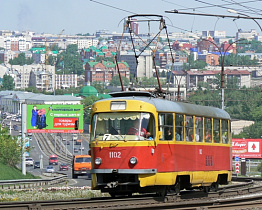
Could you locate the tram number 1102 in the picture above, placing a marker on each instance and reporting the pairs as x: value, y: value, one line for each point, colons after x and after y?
x: 114, y: 154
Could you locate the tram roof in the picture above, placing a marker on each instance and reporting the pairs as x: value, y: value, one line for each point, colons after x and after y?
x: 163, y: 105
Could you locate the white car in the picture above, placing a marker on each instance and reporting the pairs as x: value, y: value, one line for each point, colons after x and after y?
x: 50, y: 169
x: 29, y: 161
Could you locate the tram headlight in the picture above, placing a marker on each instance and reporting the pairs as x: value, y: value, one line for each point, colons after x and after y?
x: 98, y: 161
x: 133, y: 160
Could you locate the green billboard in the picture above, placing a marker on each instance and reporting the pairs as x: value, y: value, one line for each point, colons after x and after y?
x: 54, y: 118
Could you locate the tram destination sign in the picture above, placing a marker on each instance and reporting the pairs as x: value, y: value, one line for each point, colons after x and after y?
x: 54, y: 118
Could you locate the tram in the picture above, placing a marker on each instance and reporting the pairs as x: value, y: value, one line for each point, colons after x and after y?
x: 174, y: 145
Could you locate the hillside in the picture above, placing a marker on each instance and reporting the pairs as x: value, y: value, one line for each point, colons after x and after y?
x: 9, y: 173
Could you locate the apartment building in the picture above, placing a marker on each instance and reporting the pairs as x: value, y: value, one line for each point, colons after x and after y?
x: 104, y: 71
x: 64, y: 81
x: 145, y: 63
x: 36, y: 75
x: 194, y: 77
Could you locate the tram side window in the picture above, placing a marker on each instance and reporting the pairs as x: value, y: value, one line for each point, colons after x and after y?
x: 166, y: 126
x: 208, y: 130
x: 93, y: 127
x: 189, y: 125
x: 199, y: 129
x: 216, y: 123
x: 224, y: 131
x: 179, y: 119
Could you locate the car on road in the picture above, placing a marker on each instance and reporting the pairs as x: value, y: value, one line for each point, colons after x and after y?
x: 82, y: 148
x: 75, y: 150
x: 50, y: 169
x: 29, y: 161
x: 16, y: 128
x: 29, y: 134
x: 53, y: 160
x: 37, y: 164
x: 63, y: 167
x: 68, y: 142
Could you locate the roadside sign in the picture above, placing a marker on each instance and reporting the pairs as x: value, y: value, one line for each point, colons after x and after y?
x: 236, y: 158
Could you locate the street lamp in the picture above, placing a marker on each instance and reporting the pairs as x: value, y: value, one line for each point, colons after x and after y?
x: 236, y: 12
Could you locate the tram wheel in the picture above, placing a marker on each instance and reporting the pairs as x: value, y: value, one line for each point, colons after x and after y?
x: 162, y: 191
x: 214, y: 186
x: 206, y: 189
x: 113, y: 195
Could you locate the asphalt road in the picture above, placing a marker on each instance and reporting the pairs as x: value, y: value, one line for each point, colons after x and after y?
x: 36, y: 153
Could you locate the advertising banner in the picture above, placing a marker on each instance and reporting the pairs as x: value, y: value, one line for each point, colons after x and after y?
x: 54, y: 118
x: 246, y: 148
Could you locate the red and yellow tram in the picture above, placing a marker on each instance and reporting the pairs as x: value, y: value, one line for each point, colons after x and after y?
x: 177, y: 145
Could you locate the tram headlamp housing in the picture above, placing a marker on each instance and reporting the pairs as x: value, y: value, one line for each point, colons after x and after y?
x: 133, y: 160
x: 98, y: 161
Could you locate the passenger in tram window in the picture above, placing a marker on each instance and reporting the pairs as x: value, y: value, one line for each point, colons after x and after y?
x: 208, y: 136
x: 224, y: 138
x: 178, y: 134
x: 197, y: 137
x: 169, y: 135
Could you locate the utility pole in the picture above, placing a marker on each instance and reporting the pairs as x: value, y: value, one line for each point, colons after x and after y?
x: 23, y: 117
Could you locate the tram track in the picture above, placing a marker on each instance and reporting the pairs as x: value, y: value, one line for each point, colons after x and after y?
x: 47, y: 145
x: 237, y: 195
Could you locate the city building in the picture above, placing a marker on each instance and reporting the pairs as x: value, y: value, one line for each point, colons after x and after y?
x: 145, y: 63
x: 104, y: 71
x: 194, y: 77
x: 11, y: 101
x: 64, y: 81
x: 249, y: 35
x: 40, y: 76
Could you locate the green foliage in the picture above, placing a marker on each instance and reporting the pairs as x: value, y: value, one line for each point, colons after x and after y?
x: 241, y: 103
x: 33, y: 89
x: 246, y: 45
x: 237, y: 60
x: 67, y: 91
x: 116, y: 81
x: 12, y: 173
x: 10, y: 149
x: 21, y: 60
x: 70, y: 61
x: 51, y: 60
x: 100, y: 87
x: 8, y: 83
x: 87, y: 103
x: 197, y: 64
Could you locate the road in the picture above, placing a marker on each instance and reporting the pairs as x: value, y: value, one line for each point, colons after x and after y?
x: 69, y: 145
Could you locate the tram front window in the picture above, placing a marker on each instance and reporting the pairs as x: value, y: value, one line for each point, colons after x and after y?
x: 122, y: 126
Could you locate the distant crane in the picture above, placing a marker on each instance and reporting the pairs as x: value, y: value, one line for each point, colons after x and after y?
x: 47, y: 51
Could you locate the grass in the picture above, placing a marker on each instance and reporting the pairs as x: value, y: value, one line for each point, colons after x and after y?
x: 61, y: 191
x: 12, y: 173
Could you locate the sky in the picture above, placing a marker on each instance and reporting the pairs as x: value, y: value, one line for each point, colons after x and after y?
x: 89, y: 16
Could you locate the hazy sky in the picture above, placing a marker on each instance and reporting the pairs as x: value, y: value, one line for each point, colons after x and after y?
x: 87, y: 16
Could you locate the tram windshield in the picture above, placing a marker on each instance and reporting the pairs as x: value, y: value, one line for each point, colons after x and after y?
x: 122, y: 126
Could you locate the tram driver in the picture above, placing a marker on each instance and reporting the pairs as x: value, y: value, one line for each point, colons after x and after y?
x: 134, y: 130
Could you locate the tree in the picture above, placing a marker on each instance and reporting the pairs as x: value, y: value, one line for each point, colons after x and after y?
x: 10, y: 148
x: 100, y: 87
x: 87, y: 102
x: 8, y: 83
x: 116, y: 81
x: 70, y: 61
x: 21, y: 60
